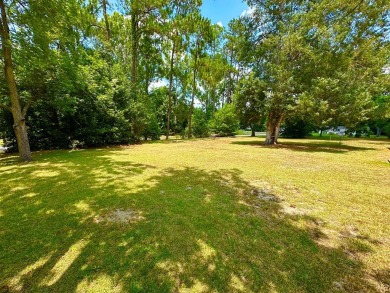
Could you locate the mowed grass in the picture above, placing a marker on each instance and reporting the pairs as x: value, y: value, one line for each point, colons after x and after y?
x: 213, y: 215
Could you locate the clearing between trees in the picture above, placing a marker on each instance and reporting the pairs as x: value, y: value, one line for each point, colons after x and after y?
x: 183, y: 216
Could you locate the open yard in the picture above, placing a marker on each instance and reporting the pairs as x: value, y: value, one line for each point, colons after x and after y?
x: 212, y: 215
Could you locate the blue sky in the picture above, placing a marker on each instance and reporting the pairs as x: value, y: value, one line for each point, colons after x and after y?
x: 217, y: 10
x: 223, y: 10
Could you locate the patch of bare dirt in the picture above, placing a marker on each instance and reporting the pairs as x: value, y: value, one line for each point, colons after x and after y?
x: 292, y: 210
x: 120, y: 216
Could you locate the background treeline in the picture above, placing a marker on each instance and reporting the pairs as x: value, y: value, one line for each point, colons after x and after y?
x: 86, y: 71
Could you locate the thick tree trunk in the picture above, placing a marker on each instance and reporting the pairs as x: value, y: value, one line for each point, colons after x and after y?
x: 18, y: 113
x: 273, y: 127
x: 20, y: 130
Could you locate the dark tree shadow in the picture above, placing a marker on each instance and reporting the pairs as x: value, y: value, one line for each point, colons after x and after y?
x: 327, y: 147
x: 199, y: 230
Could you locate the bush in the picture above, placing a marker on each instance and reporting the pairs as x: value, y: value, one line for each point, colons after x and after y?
x: 225, y: 121
x: 200, y: 126
x: 152, y: 130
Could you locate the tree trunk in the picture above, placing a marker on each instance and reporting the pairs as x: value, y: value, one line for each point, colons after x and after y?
x: 214, y: 102
x: 134, y: 63
x: 18, y: 113
x: 378, y: 131
x: 273, y: 127
x: 229, y: 91
x: 134, y: 48
x: 193, y: 93
x: 253, y: 130
x: 108, y: 32
x: 170, y: 88
x: 175, y: 110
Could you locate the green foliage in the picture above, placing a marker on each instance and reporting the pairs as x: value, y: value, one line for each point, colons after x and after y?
x: 181, y: 113
x: 386, y: 128
x: 152, y: 130
x: 200, y: 124
x: 225, y: 121
x: 249, y: 100
x: 295, y: 127
x: 381, y: 114
x: 360, y: 130
x: 325, y: 58
x: 89, y: 77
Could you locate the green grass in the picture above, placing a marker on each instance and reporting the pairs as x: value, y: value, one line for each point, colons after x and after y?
x: 201, y: 228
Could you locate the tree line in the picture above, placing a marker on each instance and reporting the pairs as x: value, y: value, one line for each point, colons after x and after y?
x: 83, y: 73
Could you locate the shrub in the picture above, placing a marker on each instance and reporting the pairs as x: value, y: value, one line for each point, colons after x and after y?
x: 225, y: 121
x: 152, y: 130
x: 200, y: 126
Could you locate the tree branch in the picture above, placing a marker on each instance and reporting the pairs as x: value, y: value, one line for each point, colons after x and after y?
x: 28, y: 105
x: 354, y: 9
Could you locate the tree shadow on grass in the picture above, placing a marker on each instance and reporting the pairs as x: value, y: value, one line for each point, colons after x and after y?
x: 378, y: 142
x: 327, y: 147
x: 201, y: 231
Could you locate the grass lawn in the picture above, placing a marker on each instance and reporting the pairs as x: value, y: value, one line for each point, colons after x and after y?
x: 213, y: 215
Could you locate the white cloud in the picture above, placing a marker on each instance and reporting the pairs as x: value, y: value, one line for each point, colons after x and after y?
x: 248, y: 12
x: 220, y: 23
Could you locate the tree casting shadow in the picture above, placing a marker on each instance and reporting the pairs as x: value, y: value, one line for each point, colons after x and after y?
x: 199, y: 230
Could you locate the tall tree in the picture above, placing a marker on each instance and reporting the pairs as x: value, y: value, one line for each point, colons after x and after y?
x: 175, y: 31
x: 200, y: 38
x: 239, y: 52
x: 18, y: 112
x: 306, y: 45
x: 145, y: 17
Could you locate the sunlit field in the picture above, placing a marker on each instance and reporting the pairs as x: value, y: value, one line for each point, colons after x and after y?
x: 212, y: 215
